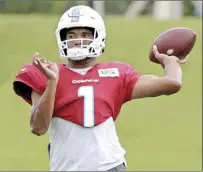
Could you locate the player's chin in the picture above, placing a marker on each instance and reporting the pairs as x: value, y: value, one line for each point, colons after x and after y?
x: 88, y: 58
x: 84, y: 60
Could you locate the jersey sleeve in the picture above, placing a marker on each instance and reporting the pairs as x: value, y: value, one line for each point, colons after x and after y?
x: 28, y: 79
x: 130, y: 77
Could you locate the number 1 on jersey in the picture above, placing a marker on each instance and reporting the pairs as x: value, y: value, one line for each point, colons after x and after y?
x: 88, y: 93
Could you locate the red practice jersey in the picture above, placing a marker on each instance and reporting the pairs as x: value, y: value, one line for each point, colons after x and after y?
x: 82, y: 132
x: 86, y: 100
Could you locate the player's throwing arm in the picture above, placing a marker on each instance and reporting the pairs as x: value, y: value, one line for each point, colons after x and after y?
x: 170, y: 49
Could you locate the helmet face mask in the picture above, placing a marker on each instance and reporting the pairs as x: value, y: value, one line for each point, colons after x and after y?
x: 79, y: 48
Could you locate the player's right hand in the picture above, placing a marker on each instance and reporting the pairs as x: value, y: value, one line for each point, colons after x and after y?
x: 49, y: 69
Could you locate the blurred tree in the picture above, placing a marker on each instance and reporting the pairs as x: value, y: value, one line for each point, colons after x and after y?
x: 2, y: 3
x: 112, y: 7
x: 116, y: 7
x: 18, y: 6
x: 188, y: 8
x: 59, y: 6
x: 90, y: 3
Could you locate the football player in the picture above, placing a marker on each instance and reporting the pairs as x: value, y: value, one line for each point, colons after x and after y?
x: 77, y: 103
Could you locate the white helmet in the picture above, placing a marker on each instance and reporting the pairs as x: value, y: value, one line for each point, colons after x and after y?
x: 81, y: 16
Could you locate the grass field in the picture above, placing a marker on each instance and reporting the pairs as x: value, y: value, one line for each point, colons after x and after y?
x: 162, y: 133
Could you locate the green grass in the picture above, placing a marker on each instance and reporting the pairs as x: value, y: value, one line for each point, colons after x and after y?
x: 159, y: 133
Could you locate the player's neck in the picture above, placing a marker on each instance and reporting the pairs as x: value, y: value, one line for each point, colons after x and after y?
x: 88, y: 62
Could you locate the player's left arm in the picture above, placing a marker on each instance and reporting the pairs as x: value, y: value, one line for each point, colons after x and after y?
x: 153, y: 86
x: 142, y: 86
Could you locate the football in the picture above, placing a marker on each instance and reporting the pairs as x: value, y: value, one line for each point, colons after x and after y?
x: 177, y: 41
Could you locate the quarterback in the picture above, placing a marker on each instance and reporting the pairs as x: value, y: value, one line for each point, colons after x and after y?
x: 77, y: 103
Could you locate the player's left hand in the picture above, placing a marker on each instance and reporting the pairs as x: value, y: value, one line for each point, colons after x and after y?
x: 165, y: 59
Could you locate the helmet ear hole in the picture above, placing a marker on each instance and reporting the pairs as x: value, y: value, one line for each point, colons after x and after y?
x: 96, y: 34
x: 91, y: 50
x: 65, y: 52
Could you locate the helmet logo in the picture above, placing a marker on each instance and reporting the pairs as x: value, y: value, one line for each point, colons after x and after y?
x: 75, y: 14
